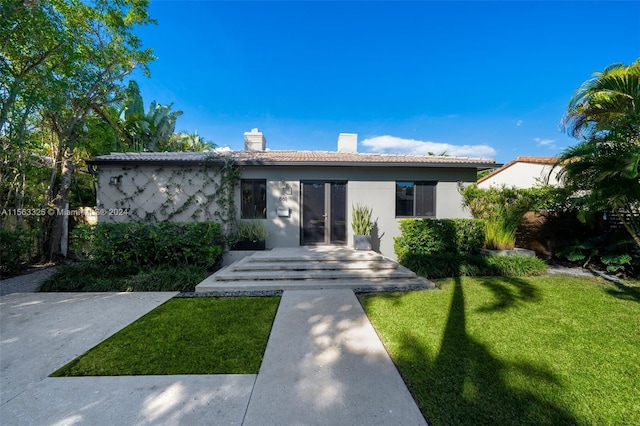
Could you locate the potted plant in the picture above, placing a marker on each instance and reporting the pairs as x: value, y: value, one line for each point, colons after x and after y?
x: 250, y: 235
x: 362, y: 226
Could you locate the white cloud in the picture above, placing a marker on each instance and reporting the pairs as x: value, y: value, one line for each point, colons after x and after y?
x: 549, y: 143
x: 519, y: 123
x: 394, y: 145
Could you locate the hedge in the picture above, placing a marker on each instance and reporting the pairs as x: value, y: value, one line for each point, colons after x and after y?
x: 427, y: 236
x: 166, y: 243
x: 472, y: 265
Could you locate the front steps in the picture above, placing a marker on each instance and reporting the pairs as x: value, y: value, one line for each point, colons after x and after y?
x: 304, y: 268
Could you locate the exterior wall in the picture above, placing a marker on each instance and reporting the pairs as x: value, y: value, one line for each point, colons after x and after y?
x: 159, y: 192
x: 523, y: 175
x: 374, y: 188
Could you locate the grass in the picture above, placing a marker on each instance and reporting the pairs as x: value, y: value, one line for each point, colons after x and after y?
x: 89, y: 276
x: 517, y: 351
x: 185, y: 336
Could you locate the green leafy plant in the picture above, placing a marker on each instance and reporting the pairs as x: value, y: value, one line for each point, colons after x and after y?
x: 251, y: 230
x: 166, y: 243
x: 502, y: 210
x: 361, y: 222
x: 15, y: 249
x: 442, y: 265
x: 426, y: 236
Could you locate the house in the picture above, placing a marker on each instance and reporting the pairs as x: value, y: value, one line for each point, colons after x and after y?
x: 523, y: 172
x: 303, y: 197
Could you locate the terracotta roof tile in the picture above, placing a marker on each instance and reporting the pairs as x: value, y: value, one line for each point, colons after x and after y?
x: 293, y: 158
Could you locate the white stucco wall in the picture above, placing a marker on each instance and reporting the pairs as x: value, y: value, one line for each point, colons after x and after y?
x: 156, y: 193
x: 523, y: 175
x: 374, y: 187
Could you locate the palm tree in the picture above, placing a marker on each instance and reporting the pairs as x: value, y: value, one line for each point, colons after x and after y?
x: 602, y: 169
x: 185, y: 141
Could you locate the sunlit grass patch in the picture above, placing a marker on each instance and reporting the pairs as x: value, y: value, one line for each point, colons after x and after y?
x: 185, y: 336
x: 546, y: 350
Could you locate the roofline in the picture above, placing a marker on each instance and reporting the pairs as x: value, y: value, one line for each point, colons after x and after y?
x: 258, y: 163
x: 503, y: 167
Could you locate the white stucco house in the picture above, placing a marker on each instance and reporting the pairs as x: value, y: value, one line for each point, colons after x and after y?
x: 303, y: 197
x: 523, y: 172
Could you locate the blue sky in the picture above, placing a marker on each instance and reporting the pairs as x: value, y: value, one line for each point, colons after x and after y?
x: 488, y: 79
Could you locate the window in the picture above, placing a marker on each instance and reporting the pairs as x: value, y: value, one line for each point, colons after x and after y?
x: 254, y: 198
x: 415, y: 199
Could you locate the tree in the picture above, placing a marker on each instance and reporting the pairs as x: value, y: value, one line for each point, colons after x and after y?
x: 185, y: 141
x: 78, y: 53
x: 601, y: 171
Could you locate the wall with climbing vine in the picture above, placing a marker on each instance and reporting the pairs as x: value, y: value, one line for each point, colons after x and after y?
x: 158, y: 193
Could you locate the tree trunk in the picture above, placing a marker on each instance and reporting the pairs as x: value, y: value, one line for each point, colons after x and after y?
x: 55, y: 234
x: 629, y: 225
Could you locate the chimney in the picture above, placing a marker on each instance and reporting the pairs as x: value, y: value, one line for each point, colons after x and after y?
x: 254, y: 140
x: 348, y: 142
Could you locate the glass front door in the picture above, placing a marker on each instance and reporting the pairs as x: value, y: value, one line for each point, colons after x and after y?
x: 324, y: 213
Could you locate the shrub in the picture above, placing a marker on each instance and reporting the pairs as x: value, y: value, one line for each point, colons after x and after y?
x: 90, y: 276
x: 427, y: 236
x: 15, y: 249
x: 444, y: 265
x: 502, y: 209
x: 361, y: 220
x: 167, y: 243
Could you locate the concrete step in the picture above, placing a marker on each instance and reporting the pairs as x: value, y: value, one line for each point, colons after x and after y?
x: 307, y: 268
x: 332, y: 265
x: 373, y: 284
x: 231, y: 275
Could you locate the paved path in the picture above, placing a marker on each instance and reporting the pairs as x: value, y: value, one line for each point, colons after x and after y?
x: 323, y: 365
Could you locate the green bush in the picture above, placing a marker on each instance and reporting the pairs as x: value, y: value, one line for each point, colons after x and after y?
x: 427, y: 236
x: 90, y: 276
x: 15, y: 250
x: 442, y: 265
x: 167, y: 243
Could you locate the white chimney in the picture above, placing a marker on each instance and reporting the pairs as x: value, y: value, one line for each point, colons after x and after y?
x: 254, y: 140
x: 348, y: 142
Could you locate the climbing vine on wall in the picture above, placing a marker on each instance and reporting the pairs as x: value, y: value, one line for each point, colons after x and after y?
x: 202, y: 192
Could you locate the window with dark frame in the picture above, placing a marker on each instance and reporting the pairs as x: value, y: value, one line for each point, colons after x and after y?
x: 254, y: 198
x: 415, y: 199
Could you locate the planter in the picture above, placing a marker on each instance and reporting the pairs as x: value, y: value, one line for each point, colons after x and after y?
x: 249, y: 245
x: 362, y: 242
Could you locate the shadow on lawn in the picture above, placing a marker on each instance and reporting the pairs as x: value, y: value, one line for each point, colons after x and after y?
x: 465, y: 384
x: 508, y: 291
x: 624, y: 292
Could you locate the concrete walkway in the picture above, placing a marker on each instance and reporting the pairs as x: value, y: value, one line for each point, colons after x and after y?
x: 324, y: 365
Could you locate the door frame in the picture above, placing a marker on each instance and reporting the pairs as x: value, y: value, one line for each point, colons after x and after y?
x: 327, y: 211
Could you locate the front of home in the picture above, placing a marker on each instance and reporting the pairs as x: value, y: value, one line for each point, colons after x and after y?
x: 302, y: 197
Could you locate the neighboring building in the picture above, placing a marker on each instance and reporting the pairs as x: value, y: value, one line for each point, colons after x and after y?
x: 304, y: 197
x: 523, y: 172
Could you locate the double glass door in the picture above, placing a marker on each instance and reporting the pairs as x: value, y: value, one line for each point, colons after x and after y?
x: 324, y: 213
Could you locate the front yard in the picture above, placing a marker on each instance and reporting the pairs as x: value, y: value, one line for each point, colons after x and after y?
x: 546, y: 350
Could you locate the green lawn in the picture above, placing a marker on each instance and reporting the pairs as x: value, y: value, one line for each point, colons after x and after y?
x: 185, y: 336
x: 545, y: 350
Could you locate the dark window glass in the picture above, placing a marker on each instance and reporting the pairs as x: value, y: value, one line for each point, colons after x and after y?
x: 254, y: 198
x: 404, y: 198
x: 415, y: 199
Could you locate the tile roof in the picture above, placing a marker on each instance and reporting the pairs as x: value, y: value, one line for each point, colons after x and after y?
x: 292, y: 158
x: 530, y: 160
